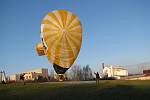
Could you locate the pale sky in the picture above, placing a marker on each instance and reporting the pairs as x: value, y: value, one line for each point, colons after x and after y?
x: 115, y: 32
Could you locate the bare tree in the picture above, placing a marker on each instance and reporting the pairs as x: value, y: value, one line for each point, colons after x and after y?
x: 51, y: 75
x: 87, y: 73
x: 78, y: 73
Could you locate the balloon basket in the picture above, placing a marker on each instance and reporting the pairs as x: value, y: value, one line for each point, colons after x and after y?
x: 61, y: 77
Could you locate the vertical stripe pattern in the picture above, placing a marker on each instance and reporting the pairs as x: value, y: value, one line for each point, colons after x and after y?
x: 62, y: 34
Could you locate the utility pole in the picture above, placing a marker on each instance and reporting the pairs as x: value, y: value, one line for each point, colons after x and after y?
x: 1, y: 76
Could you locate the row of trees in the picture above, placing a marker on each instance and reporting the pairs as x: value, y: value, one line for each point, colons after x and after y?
x: 81, y: 73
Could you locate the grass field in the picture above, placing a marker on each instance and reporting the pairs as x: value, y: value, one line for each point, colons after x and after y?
x: 106, y: 90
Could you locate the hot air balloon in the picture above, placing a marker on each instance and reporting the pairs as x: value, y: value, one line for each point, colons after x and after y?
x: 61, y: 37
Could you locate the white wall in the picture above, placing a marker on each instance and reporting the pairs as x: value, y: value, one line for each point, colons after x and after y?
x: 114, y: 71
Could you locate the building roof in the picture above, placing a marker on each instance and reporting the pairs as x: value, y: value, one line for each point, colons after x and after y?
x: 37, y: 70
x: 116, y: 67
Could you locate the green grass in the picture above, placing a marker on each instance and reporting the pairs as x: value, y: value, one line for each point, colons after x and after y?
x: 106, y: 90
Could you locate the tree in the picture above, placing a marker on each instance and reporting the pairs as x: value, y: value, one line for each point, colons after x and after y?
x: 42, y: 79
x: 78, y: 73
x: 87, y: 73
x: 51, y: 75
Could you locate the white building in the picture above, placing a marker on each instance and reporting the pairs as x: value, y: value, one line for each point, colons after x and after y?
x: 30, y: 74
x: 114, y: 71
x: 33, y: 74
x: 14, y: 77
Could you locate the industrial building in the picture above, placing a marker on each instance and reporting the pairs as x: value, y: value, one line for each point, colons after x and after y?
x: 114, y: 71
x: 144, y: 76
x: 14, y: 77
x: 30, y: 74
x: 146, y: 72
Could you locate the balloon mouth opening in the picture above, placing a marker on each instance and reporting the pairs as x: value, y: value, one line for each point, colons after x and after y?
x: 59, y: 70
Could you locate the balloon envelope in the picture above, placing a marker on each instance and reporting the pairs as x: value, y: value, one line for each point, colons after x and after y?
x: 61, y: 34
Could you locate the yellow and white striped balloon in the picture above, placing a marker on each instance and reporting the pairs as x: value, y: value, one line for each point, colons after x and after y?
x: 61, y: 32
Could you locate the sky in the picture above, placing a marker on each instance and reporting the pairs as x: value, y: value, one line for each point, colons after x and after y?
x: 116, y: 32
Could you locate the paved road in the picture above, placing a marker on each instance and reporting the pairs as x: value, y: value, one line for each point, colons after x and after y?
x: 70, y: 82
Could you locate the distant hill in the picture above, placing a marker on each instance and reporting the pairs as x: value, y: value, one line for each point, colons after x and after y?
x: 138, y: 68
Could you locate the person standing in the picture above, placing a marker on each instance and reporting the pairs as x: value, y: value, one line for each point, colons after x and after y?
x: 97, y: 77
x: 22, y: 78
